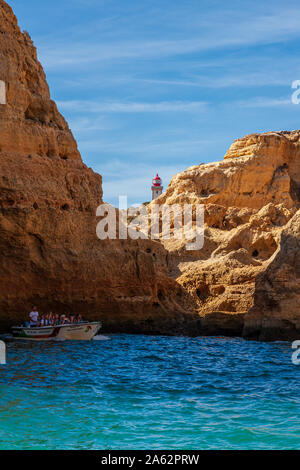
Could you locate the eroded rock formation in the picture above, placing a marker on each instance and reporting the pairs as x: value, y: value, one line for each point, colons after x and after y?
x: 245, y: 280
x: 249, y: 198
x: 276, y: 311
x: 49, y: 252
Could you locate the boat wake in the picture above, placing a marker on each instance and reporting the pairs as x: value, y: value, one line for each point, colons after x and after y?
x: 101, y: 338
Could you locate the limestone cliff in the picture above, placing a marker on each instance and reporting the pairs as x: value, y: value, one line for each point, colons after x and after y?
x: 257, y: 170
x: 245, y: 280
x: 49, y: 252
x: 276, y: 311
x: 249, y: 198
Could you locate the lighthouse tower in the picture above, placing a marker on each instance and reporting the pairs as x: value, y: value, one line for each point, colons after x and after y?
x: 157, y: 187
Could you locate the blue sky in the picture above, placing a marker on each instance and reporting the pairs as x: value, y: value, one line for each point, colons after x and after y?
x: 150, y: 85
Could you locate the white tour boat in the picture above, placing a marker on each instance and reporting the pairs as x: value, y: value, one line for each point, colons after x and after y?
x: 84, y: 331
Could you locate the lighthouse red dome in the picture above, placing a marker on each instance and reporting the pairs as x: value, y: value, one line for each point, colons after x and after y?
x: 157, y: 181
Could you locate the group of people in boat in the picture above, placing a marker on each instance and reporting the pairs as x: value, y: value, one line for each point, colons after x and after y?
x: 52, y: 319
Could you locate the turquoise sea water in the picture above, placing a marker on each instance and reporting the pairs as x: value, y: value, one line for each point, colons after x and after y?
x: 139, y: 392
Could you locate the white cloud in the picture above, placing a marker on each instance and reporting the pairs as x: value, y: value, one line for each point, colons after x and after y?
x: 123, y: 107
x: 224, y: 32
x: 224, y: 81
x: 261, y: 102
x: 87, y: 124
x: 162, y: 148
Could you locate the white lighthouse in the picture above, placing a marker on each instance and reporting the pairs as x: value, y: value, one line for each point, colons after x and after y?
x: 157, y: 187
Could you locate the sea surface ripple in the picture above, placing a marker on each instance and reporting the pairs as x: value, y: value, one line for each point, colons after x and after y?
x: 144, y: 392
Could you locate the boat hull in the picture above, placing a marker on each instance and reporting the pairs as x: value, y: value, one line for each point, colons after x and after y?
x: 79, y: 332
x: 76, y: 332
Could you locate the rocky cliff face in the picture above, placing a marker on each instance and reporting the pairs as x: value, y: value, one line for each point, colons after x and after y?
x: 49, y: 252
x: 236, y: 283
x: 276, y: 310
x: 245, y: 280
x: 257, y: 170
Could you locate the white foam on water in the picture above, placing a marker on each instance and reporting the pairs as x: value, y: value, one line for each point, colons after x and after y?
x: 101, y: 338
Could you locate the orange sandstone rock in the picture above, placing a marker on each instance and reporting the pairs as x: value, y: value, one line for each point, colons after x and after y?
x: 276, y: 310
x: 257, y: 170
x: 249, y: 198
x: 49, y: 252
x: 245, y: 280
